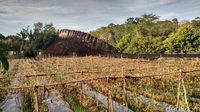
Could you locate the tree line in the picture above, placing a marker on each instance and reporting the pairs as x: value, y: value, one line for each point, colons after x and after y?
x: 29, y: 42
x: 147, y: 34
x: 140, y: 35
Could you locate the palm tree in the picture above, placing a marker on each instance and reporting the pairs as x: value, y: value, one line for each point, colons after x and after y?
x: 23, y: 35
x: 149, y: 18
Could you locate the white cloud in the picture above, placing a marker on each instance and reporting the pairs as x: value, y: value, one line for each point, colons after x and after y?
x: 168, y: 1
x: 77, y: 14
x: 168, y: 15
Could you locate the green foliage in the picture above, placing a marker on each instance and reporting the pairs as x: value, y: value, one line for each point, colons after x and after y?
x: 130, y: 20
x: 38, y: 39
x: 147, y: 34
x: 147, y: 18
x: 196, y: 22
x: 23, y: 35
x: 185, y: 40
x: 145, y: 45
x: 11, y: 43
x: 30, y: 41
x: 27, y: 103
x: 175, y: 20
x: 4, y: 61
x: 2, y: 37
x: 74, y: 104
x: 143, y: 34
x: 123, y: 43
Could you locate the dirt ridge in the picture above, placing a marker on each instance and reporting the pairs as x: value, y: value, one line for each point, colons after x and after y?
x: 70, y: 42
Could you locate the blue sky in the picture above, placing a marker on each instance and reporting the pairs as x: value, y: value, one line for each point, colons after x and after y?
x: 87, y: 15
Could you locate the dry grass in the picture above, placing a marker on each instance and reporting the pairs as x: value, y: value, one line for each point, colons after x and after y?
x: 162, y: 89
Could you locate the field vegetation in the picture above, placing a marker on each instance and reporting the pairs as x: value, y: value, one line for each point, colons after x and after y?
x: 137, y: 84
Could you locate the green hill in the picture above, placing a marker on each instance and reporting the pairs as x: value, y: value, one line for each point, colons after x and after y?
x: 147, y: 34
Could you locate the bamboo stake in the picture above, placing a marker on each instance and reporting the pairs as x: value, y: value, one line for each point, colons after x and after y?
x: 185, y: 95
x: 110, y: 97
x: 81, y: 97
x: 178, y: 91
x: 36, y: 99
x: 108, y: 94
x: 110, y: 90
x: 124, y: 89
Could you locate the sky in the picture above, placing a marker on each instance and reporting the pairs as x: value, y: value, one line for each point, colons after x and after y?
x: 88, y: 15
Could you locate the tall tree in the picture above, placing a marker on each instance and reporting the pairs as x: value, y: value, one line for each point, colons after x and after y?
x: 175, y: 20
x: 24, y: 36
x: 2, y: 37
x: 149, y: 18
x: 130, y: 20
x: 38, y: 27
x: 41, y: 37
x: 196, y: 22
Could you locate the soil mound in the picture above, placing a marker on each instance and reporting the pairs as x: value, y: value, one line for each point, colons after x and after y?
x: 72, y: 42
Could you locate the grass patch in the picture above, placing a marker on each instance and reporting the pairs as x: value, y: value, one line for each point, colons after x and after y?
x: 74, y: 104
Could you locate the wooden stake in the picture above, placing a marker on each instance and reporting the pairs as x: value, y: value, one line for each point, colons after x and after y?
x: 185, y: 95
x: 109, y: 98
x: 124, y: 89
x: 178, y: 91
x: 36, y: 99
x: 81, y: 89
x: 107, y: 93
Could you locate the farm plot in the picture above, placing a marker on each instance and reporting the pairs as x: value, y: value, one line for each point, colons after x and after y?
x: 80, y: 83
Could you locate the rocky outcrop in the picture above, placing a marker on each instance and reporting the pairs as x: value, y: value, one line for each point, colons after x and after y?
x: 72, y: 42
